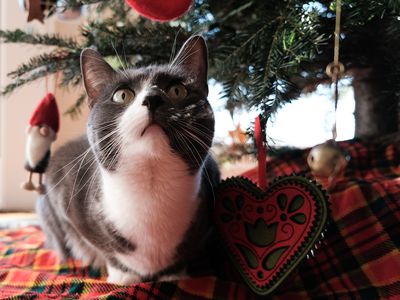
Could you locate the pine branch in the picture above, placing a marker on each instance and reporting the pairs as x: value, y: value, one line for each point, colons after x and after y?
x: 50, y: 61
x: 270, y: 64
x: 44, y: 65
x: 75, y: 110
x: 139, y: 42
x: 18, y: 82
x: 77, y: 3
x: 263, y: 52
x: 19, y: 36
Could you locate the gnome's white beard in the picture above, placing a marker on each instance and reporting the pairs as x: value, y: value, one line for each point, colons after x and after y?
x: 37, y: 145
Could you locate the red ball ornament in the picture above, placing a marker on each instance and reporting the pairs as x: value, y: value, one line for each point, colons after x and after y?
x: 160, y: 10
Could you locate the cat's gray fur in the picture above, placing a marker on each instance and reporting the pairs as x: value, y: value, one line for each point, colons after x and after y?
x: 73, y: 211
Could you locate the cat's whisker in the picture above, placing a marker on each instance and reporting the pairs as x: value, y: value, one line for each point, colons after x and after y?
x: 72, y: 196
x: 67, y: 173
x: 193, y: 124
x: 96, y: 174
x: 186, y: 146
x: 105, y: 125
x: 126, y: 61
x: 115, y: 157
x: 198, y: 159
x: 187, y: 52
x: 91, y: 179
x: 191, y: 137
x: 87, y: 167
x: 120, y: 61
x: 72, y: 161
x: 183, y: 57
x: 173, y: 50
x: 78, y: 157
x: 196, y: 138
x: 208, y: 177
x: 195, y: 129
x: 100, y: 127
x: 178, y: 112
x: 112, y: 148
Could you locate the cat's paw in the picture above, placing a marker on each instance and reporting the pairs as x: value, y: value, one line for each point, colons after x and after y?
x: 173, y: 277
x: 119, y: 277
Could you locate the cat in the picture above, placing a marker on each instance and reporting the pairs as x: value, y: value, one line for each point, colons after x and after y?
x: 135, y: 194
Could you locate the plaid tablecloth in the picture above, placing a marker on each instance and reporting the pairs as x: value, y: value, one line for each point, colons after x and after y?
x: 358, y: 259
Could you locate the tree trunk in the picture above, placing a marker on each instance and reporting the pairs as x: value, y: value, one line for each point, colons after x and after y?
x: 376, y: 114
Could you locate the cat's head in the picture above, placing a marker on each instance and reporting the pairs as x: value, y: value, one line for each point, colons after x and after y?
x: 139, y: 111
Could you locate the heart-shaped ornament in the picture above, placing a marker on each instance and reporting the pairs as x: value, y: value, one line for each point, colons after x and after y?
x: 268, y: 231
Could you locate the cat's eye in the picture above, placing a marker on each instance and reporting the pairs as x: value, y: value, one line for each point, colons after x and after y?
x: 123, y: 96
x: 177, y: 91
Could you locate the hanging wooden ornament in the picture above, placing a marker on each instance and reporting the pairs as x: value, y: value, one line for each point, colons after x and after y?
x: 267, y: 232
x: 327, y: 160
x: 39, y: 9
x: 35, y: 11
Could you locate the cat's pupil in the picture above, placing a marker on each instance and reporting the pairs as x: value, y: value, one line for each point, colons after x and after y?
x: 123, y: 96
x: 177, y: 91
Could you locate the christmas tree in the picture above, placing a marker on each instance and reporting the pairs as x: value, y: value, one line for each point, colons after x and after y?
x: 265, y: 53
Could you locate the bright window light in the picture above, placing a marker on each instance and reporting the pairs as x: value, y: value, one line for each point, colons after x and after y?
x: 302, y: 123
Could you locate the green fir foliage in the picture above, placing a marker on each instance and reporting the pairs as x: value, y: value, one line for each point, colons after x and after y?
x: 264, y: 53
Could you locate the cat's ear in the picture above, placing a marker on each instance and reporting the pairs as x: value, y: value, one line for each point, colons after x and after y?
x: 193, y: 58
x: 96, y: 73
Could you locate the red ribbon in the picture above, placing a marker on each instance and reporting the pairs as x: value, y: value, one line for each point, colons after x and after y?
x: 261, y: 154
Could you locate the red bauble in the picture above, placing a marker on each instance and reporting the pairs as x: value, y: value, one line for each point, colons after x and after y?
x: 160, y: 10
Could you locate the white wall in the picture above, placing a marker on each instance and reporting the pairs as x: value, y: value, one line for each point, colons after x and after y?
x: 16, y: 109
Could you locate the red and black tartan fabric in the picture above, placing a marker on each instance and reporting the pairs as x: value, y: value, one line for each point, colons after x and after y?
x: 358, y: 259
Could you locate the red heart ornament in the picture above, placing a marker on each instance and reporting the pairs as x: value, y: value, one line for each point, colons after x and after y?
x: 267, y: 233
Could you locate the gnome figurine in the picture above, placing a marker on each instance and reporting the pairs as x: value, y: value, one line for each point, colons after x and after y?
x: 42, y: 132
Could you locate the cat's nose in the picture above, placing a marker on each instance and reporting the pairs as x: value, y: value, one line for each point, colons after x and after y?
x: 153, y: 100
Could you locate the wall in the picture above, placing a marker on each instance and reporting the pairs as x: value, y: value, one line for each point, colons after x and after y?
x: 16, y: 109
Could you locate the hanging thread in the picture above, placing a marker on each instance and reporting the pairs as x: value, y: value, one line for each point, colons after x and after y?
x: 46, y: 81
x: 261, y: 154
x: 335, y: 70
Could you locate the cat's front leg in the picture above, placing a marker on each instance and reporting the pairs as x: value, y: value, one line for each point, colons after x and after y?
x: 118, y: 276
x: 174, y: 277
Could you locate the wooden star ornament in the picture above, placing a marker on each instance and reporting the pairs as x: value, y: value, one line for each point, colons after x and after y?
x: 35, y: 11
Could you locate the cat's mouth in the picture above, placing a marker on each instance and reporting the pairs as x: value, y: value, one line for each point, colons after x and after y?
x: 152, y: 125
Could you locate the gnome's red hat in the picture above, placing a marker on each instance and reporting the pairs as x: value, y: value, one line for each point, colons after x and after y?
x: 46, y: 113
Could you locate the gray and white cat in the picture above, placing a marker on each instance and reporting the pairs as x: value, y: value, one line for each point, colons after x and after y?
x: 136, y: 194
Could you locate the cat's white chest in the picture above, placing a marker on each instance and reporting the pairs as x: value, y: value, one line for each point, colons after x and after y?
x: 151, y: 201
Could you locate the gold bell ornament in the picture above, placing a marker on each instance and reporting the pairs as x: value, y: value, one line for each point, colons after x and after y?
x: 327, y: 160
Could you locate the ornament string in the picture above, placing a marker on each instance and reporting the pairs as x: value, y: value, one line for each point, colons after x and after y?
x: 335, y: 69
x: 55, y: 82
x: 46, y: 81
x: 261, y: 154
